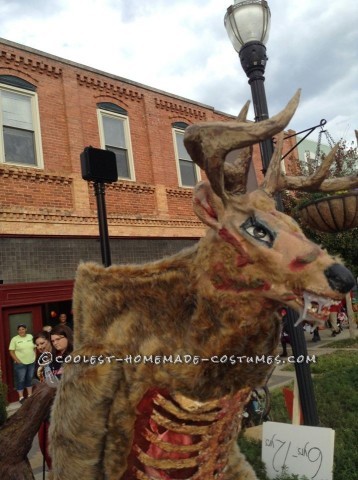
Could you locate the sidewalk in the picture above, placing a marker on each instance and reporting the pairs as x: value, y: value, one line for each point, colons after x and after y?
x: 279, y: 378
x: 36, y: 460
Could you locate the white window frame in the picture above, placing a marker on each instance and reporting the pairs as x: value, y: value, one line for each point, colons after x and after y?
x: 35, y: 123
x: 127, y: 136
x: 180, y: 131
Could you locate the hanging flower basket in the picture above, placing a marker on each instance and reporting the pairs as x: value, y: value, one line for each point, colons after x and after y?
x: 332, y: 214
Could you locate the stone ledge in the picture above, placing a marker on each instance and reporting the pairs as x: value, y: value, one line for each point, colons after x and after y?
x: 32, y: 175
x: 10, y: 215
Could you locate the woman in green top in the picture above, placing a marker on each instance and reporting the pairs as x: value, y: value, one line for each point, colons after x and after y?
x: 22, y: 351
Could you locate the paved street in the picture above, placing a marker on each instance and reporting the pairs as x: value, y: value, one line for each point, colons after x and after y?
x: 278, y: 379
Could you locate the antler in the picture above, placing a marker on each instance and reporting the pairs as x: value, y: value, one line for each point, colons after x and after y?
x: 276, y: 181
x: 209, y: 143
x: 238, y: 168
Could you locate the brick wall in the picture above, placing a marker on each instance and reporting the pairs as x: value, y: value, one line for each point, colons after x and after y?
x: 180, y: 202
x: 55, y: 201
x: 68, y: 95
x: 128, y: 198
x: 20, y: 187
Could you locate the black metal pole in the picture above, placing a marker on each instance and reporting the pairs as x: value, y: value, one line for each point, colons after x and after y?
x: 303, y: 370
x: 99, y: 189
x: 253, y: 60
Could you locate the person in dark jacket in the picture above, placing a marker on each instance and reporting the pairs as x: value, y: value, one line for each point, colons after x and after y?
x: 285, y: 337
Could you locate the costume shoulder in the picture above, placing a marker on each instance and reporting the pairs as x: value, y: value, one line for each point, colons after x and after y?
x: 97, y: 293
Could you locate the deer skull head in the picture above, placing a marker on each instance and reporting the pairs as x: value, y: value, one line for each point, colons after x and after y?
x: 267, y: 250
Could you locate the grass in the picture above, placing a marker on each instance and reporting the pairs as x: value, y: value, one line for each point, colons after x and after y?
x: 346, y: 343
x: 340, y: 358
x: 336, y: 389
x: 252, y: 451
x: 338, y: 362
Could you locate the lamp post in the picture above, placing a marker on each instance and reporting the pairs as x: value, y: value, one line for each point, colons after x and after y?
x: 248, y: 23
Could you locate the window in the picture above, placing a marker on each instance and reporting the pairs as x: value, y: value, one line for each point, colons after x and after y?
x: 115, y: 136
x: 20, y: 141
x: 188, y: 172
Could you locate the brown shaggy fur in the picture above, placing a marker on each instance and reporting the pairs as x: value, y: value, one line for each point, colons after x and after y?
x: 218, y: 298
x: 17, y: 433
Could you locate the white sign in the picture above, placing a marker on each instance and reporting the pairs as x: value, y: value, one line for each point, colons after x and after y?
x: 301, y: 450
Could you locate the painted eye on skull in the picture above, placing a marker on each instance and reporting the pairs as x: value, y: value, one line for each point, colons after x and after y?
x: 259, y: 231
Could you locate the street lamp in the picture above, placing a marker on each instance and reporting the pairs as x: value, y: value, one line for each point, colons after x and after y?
x: 248, y: 23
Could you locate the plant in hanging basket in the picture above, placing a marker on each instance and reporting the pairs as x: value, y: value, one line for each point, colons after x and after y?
x: 333, y: 209
x: 335, y: 213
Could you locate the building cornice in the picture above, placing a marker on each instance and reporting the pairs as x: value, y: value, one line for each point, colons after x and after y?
x: 109, y: 88
x: 33, y: 175
x: 131, y: 187
x: 179, y: 192
x: 16, y: 214
x: 27, y: 63
x: 179, y: 109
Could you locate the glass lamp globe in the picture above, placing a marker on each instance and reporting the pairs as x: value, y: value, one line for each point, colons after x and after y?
x: 247, y: 21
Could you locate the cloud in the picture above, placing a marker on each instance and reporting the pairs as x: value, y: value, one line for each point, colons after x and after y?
x: 181, y: 47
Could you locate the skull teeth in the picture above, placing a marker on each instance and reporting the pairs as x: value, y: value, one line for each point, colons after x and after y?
x: 314, y: 307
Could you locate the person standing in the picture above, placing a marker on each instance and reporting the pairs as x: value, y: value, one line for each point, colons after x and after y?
x: 22, y: 351
x: 42, y: 342
x: 333, y: 317
x: 63, y: 320
x: 62, y: 345
x: 285, y: 338
x: 62, y: 342
x: 316, y: 336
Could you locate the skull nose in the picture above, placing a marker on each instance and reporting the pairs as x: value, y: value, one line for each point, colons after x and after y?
x: 339, y: 278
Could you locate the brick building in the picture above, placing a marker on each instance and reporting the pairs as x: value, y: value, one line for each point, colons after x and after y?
x: 50, y: 109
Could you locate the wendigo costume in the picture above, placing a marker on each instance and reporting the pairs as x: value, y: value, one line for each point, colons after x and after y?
x: 180, y: 420
x: 148, y: 420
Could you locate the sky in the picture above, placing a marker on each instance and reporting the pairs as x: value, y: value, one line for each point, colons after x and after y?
x: 181, y: 47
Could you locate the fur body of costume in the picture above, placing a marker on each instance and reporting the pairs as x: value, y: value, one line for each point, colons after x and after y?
x: 125, y: 419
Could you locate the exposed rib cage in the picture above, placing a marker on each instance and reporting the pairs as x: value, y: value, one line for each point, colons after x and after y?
x: 185, y: 439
